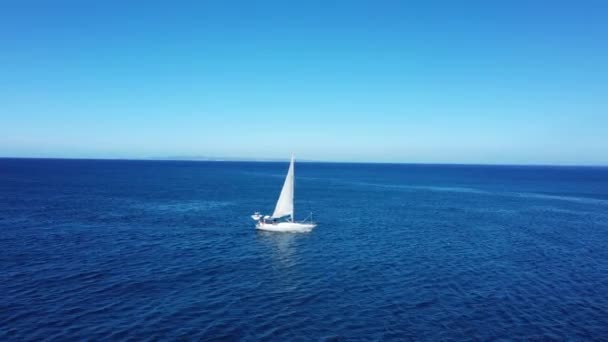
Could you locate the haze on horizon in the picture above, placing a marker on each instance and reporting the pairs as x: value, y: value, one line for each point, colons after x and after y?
x: 480, y: 82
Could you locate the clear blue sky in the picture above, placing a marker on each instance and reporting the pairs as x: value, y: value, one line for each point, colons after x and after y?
x: 389, y: 81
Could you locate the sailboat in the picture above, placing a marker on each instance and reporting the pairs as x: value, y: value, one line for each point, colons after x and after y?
x: 282, y: 219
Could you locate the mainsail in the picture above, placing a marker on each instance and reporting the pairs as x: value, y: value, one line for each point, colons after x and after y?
x: 285, y: 203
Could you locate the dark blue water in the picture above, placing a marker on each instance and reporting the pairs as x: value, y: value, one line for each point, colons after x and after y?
x: 166, y: 250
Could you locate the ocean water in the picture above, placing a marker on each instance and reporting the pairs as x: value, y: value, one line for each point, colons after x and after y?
x: 116, y: 250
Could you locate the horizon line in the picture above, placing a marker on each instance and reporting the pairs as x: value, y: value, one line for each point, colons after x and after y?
x: 281, y: 160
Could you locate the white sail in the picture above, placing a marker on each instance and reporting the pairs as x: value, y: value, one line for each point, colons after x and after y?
x: 285, y: 203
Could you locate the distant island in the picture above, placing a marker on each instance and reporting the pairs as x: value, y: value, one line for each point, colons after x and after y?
x: 247, y: 159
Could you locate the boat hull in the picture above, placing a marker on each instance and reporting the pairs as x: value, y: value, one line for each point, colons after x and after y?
x: 294, y: 227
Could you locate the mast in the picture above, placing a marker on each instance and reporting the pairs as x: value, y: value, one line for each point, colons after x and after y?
x: 293, y: 185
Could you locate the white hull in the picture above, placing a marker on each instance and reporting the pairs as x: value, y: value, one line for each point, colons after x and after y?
x: 295, y: 227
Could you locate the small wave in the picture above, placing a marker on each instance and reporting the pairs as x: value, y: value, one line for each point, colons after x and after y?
x: 548, y: 208
x: 587, y: 200
x: 181, y: 206
x: 262, y: 174
x: 452, y: 189
x: 425, y: 187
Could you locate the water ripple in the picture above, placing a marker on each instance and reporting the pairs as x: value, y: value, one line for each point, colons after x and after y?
x: 164, y: 251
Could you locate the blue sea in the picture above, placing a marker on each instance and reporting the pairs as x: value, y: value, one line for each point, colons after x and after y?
x: 165, y: 250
